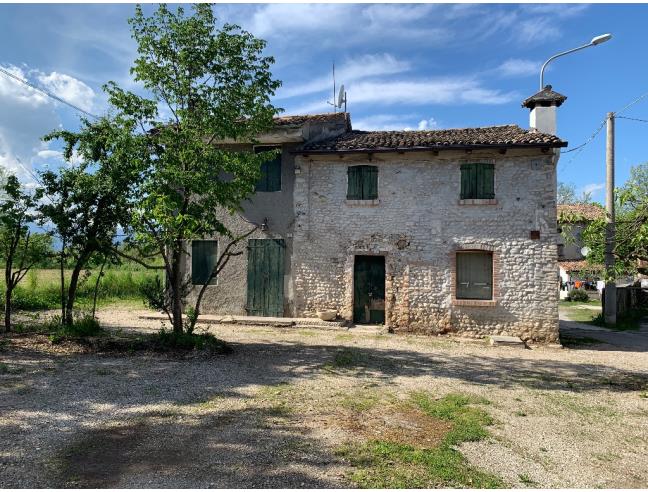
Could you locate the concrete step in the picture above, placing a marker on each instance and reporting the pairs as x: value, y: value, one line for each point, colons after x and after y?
x: 504, y: 341
x: 261, y: 321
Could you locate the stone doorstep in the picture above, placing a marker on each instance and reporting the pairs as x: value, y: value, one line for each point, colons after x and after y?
x: 504, y: 341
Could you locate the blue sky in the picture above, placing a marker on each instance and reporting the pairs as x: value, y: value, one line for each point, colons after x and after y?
x: 404, y: 65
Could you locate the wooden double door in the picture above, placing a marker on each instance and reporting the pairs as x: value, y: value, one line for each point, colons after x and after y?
x: 265, y: 277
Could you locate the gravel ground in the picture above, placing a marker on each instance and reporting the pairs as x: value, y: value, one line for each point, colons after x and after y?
x: 272, y: 413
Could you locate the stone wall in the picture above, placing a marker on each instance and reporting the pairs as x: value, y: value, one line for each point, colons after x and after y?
x: 418, y: 224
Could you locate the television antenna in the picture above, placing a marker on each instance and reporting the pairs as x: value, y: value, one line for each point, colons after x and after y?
x: 341, y: 95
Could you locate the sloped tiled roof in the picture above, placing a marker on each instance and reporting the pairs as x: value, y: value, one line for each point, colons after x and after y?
x: 578, y: 265
x: 318, y: 118
x: 492, y: 136
x: 545, y: 97
x: 577, y: 212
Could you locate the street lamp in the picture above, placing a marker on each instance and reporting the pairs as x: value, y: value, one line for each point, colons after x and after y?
x: 595, y: 41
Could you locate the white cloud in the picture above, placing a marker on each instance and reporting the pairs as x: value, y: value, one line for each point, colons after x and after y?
x: 350, y: 71
x: 429, y: 124
x: 27, y: 115
x: 414, y: 92
x: 592, y: 189
x: 68, y: 88
x: 515, y: 67
x: 384, y: 122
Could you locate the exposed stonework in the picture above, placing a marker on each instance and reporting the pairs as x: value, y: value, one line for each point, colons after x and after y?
x: 418, y: 224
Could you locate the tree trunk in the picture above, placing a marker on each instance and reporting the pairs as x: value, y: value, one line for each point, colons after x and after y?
x: 71, y: 294
x: 96, y: 289
x: 176, y: 292
x: 7, y: 309
x: 62, y: 287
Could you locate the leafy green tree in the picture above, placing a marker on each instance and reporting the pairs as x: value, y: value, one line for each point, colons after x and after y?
x: 205, y: 86
x: 86, y: 203
x: 567, y: 195
x: 631, y: 232
x: 20, y: 248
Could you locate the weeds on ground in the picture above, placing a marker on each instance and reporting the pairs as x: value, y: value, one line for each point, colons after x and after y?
x: 86, y: 326
x: 527, y: 480
x: 569, y: 341
x: 385, y: 464
x: 166, y: 340
x: 629, y: 321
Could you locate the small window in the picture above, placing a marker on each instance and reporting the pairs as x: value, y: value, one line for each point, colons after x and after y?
x: 204, y: 255
x: 270, y: 171
x: 362, y: 183
x: 477, y: 181
x: 474, y: 275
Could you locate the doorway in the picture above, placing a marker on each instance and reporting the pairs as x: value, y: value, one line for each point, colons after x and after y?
x: 265, y: 277
x: 369, y: 289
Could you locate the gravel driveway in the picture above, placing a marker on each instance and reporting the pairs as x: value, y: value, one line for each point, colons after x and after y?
x: 273, y: 413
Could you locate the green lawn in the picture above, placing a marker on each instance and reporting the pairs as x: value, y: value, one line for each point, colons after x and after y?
x: 581, y: 311
x: 40, y: 289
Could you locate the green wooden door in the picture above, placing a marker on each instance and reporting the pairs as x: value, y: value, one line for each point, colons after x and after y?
x: 265, y: 277
x: 369, y: 289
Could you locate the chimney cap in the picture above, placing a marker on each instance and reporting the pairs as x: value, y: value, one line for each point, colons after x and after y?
x: 545, y: 97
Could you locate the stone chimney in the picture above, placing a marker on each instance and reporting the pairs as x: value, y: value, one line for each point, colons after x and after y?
x: 543, y: 106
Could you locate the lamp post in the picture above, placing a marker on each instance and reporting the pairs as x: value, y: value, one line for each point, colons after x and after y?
x: 595, y: 41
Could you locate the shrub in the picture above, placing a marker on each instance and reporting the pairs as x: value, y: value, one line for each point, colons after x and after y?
x: 154, y: 293
x: 166, y: 340
x: 86, y: 326
x: 578, y: 295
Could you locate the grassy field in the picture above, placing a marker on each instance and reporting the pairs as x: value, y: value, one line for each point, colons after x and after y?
x: 40, y: 289
x: 585, y: 312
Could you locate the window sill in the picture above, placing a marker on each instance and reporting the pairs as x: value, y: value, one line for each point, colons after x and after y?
x: 363, y: 203
x: 478, y: 201
x: 475, y: 302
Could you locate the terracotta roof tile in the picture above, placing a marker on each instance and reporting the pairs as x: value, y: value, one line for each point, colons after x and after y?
x: 578, y: 212
x: 578, y: 265
x: 545, y: 97
x: 319, y: 118
x: 492, y: 136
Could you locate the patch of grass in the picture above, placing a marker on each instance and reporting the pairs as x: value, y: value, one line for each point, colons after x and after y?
x: 307, y: 333
x: 41, y: 288
x: 520, y: 413
x: 527, y: 480
x: 569, y: 341
x: 360, y: 402
x: 348, y: 358
x: 643, y: 394
x: 344, y: 337
x: 629, y: 321
x: 87, y: 326
x: 169, y: 340
x: 562, y: 401
x: 385, y: 464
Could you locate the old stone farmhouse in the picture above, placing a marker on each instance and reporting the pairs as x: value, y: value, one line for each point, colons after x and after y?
x: 425, y: 231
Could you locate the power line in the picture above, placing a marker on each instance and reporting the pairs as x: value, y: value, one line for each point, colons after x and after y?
x: 633, y: 119
x: 45, y: 92
x: 578, y: 149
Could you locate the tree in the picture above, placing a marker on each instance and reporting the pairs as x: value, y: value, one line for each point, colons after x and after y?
x: 20, y: 248
x: 206, y: 85
x: 631, y: 232
x: 86, y: 203
x: 566, y: 194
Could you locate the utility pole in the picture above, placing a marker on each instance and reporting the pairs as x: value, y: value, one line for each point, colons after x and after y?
x: 610, y: 287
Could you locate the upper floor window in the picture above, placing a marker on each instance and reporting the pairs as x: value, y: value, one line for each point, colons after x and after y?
x: 362, y: 183
x: 477, y: 181
x: 204, y: 255
x: 474, y: 275
x: 270, y: 172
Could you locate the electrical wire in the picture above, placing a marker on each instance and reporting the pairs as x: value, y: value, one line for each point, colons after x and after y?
x: 632, y: 119
x: 45, y: 92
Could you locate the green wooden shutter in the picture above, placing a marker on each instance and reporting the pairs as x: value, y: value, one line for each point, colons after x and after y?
x: 274, y: 174
x: 467, y: 181
x: 474, y: 275
x: 203, y: 260
x: 270, y: 179
x: 354, y: 183
x: 370, y: 183
x: 485, y: 180
x: 477, y: 181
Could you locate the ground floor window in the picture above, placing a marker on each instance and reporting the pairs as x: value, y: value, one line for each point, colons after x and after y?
x: 204, y: 255
x: 474, y: 275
